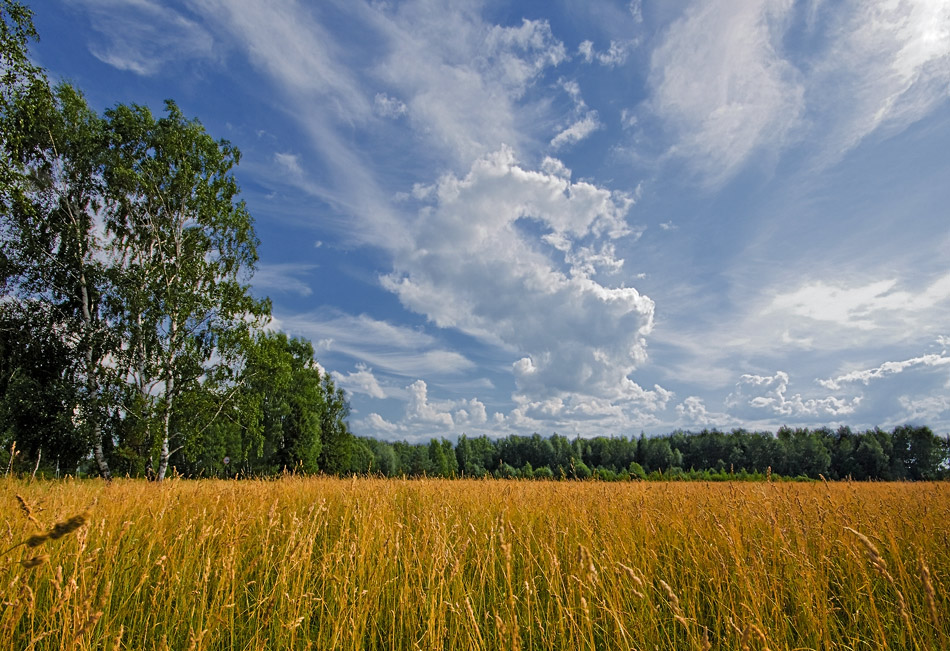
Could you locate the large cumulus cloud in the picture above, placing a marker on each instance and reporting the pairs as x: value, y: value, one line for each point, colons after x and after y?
x: 517, y: 258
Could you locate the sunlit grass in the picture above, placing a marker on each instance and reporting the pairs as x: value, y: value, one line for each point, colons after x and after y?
x: 386, y: 564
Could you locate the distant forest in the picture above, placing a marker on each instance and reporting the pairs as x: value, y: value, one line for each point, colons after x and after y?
x: 130, y: 342
x: 905, y: 453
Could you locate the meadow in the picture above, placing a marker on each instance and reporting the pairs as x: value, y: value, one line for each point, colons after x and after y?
x: 327, y: 563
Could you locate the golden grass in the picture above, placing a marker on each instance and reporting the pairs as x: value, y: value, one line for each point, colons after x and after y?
x: 387, y: 564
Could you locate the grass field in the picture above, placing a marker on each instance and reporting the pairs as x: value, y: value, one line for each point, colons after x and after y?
x: 430, y: 564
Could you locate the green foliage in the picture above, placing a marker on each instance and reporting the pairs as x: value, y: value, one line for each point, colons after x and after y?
x: 37, y: 392
x: 579, y: 469
x: 636, y: 471
x: 336, y: 452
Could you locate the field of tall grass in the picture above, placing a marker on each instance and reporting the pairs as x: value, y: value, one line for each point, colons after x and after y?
x: 326, y: 563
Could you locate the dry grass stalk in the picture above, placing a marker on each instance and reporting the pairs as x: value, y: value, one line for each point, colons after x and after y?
x: 880, y: 565
x: 13, y: 454
x: 929, y: 595
x: 25, y: 507
x: 89, y: 624
x: 586, y: 560
x: 674, y: 604
x: 632, y: 575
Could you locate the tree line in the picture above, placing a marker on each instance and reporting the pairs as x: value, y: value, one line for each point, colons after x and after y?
x: 128, y: 333
x: 905, y: 453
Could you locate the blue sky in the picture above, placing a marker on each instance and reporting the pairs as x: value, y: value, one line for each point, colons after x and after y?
x: 570, y: 216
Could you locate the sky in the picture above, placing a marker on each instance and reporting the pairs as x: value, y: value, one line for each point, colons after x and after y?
x: 583, y: 217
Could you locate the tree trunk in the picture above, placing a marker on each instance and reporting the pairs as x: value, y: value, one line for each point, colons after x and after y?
x: 163, y: 460
x: 92, y: 386
x: 166, y: 424
x: 99, y: 455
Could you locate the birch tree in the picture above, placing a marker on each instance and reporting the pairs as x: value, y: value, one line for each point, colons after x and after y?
x: 184, y: 247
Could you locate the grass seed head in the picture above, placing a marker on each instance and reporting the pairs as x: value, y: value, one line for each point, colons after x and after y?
x: 25, y: 507
x: 873, y: 554
x: 36, y: 561
x: 59, y: 530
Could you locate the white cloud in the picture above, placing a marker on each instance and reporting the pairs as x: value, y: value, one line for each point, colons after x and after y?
x: 577, y: 131
x: 461, y: 78
x: 471, y: 412
x: 693, y: 411
x: 616, y: 54
x: 418, y: 409
x: 142, y: 36
x: 319, y: 83
x: 865, y: 307
x: 770, y: 393
x: 290, y: 163
x: 586, y: 50
x: 636, y: 10
x: 394, y: 349
x: 720, y: 80
x: 628, y: 119
x: 362, y: 381
x: 886, y: 369
x: 523, y: 52
x: 583, y: 121
x: 728, y: 79
x: 284, y: 39
x: 425, y: 417
x: 389, y: 107
x: 888, y: 64
x: 376, y: 424
x: 554, y: 167
x: 588, y: 261
x: 283, y: 277
x: 473, y: 268
x: 927, y: 410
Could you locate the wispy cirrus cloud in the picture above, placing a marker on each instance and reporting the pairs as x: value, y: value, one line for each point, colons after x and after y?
x: 577, y: 131
x: 464, y: 80
x: 722, y: 84
x: 397, y: 350
x: 142, y: 36
x: 286, y: 277
x: 729, y: 82
x: 873, y: 305
x: 294, y: 48
x: 887, y: 64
